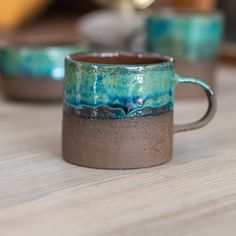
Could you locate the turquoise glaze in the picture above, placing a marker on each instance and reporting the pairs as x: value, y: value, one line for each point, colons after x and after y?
x: 184, y: 35
x: 36, y: 62
x: 116, y: 91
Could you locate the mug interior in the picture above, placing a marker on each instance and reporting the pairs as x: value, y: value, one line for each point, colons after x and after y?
x: 120, y: 58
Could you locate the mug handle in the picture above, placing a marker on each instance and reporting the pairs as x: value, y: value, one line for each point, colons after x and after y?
x: 212, y: 104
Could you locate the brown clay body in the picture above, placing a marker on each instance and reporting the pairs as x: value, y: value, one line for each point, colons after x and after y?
x: 117, y: 143
x: 25, y: 89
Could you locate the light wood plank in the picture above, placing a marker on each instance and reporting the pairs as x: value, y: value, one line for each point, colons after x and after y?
x: 194, y: 194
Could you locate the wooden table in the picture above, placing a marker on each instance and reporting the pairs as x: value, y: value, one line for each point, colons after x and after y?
x: 194, y: 194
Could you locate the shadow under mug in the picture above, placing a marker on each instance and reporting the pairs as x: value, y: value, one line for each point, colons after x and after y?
x: 118, y: 109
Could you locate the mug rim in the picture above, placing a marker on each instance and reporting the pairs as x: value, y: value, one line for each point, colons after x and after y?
x: 167, y: 60
x: 169, y: 13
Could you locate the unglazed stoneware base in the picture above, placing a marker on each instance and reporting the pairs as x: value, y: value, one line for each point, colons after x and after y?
x: 39, y: 90
x: 204, y: 69
x: 117, y: 143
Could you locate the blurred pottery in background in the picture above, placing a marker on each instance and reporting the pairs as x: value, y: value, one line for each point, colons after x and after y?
x: 108, y: 29
x: 126, y: 5
x: 198, y: 5
x: 118, y: 109
x: 33, y: 69
x: 192, y: 38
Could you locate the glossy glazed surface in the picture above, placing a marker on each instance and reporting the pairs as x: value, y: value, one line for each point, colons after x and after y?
x: 119, y: 90
x: 142, y: 86
x: 36, y: 62
x: 185, y: 36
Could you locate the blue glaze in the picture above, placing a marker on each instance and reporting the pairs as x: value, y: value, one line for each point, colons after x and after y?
x: 185, y: 35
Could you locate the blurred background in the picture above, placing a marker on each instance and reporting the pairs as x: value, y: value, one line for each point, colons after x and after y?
x: 80, y: 18
x: 194, y: 40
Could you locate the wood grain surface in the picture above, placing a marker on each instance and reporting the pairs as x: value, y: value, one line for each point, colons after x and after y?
x: 194, y: 194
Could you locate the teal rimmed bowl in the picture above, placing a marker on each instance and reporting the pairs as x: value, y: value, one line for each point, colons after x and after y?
x: 34, y: 69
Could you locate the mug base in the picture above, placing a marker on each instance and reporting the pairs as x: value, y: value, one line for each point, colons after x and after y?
x: 117, y: 143
x: 32, y: 90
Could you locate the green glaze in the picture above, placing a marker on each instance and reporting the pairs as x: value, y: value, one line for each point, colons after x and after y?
x: 185, y: 35
x: 120, y: 91
x: 36, y: 62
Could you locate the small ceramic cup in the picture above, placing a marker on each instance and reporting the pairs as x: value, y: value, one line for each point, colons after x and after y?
x: 192, y: 38
x: 33, y: 69
x: 118, y: 109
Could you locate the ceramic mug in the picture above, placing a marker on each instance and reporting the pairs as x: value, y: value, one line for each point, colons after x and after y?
x: 192, y: 38
x: 118, y: 109
x: 33, y: 69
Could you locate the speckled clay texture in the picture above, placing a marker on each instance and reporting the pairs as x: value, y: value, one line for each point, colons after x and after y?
x: 117, y: 143
x: 119, y: 91
x: 185, y: 35
x: 36, y: 61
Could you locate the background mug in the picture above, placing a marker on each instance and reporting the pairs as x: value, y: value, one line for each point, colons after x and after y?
x: 118, y: 109
x: 33, y: 69
x: 192, y: 38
